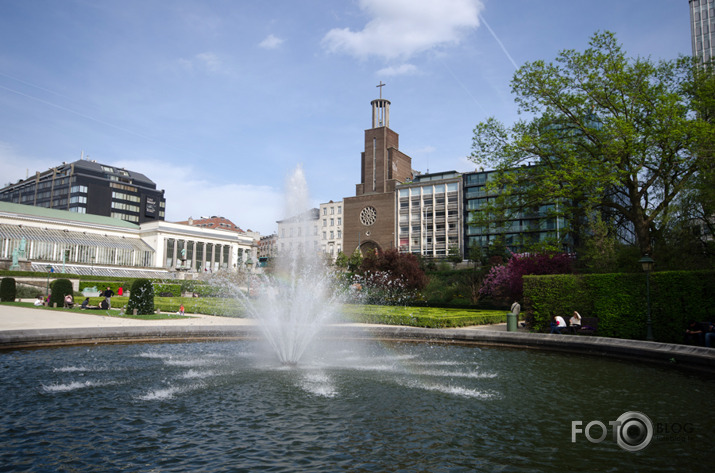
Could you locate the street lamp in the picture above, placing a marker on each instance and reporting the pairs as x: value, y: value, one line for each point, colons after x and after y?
x: 249, y: 266
x: 647, y: 263
x: 47, y: 289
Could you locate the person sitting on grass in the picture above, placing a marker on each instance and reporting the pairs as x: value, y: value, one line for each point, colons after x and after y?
x: 85, y: 303
x: 69, y: 301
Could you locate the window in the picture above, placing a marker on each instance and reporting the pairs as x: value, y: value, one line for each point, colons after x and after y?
x: 325, y: 222
x: 340, y: 209
x: 325, y: 211
x: 325, y: 236
x: 332, y: 235
x: 340, y: 233
x: 332, y: 210
x: 340, y: 221
x: 332, y: 222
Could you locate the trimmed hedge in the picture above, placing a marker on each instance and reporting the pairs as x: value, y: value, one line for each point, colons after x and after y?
x: 619, y: 301
x: 60, y: 288
x: 421, y: 316
x: 8, y: 290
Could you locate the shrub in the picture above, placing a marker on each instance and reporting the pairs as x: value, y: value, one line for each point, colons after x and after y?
x: 60, y: 288
x: 8, y: 291
x: 141, y: 298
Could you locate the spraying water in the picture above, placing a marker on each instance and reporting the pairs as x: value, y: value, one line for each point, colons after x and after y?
x: 294, y: 303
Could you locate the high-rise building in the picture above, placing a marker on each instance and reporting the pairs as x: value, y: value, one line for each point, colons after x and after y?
x: 702, y: 29
x: 89, y: 187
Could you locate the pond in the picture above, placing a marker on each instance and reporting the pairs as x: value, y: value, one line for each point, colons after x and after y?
x: 348, y: 405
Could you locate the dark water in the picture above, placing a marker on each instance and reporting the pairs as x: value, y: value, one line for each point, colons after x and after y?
x: 353, y: 407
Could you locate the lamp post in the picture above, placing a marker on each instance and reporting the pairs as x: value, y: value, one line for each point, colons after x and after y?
x: 47, y: 289
x: 249, y: 266
x: 647, y: 263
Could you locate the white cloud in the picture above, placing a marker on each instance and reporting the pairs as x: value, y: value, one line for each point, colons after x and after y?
x: 403, y: 28
x: 402, y: 69
x: 247, y: 205
x: 271, y: 42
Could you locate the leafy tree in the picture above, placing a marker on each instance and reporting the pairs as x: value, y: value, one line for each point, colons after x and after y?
x: 341, y: 260
x: 141, y: 297
x: 617, y: 135
x: 454, y: 256
x: 8, y: 290
x: 355, y: 260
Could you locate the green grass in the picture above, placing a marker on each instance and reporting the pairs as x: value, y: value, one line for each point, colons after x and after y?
x: 375, y: 314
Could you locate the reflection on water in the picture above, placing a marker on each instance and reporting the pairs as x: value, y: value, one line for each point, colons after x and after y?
x: 354, y: 407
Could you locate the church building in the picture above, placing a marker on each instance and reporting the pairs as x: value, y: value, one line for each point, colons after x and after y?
x: 369, y: 220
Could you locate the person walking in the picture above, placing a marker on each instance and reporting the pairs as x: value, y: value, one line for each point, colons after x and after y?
x: 108, y: 296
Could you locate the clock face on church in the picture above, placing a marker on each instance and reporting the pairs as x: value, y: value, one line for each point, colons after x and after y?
x: 368, y: 216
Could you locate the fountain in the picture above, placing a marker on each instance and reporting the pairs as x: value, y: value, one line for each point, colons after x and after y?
x: 294, y: 304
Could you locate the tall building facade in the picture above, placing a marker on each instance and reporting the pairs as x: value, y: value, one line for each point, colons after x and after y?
x: 89, y: 187
x: 702, y: 29
x: 369, y: 221
x: 523, y: 228
x: 331, y: 228
x: 429, y: 214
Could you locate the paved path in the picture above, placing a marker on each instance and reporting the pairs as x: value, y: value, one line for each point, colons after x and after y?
x: 24, y: 318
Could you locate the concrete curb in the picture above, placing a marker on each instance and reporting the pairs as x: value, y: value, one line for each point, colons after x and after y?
x: 698, y: 358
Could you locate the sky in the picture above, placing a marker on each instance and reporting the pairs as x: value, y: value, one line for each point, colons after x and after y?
x: 219, y: 101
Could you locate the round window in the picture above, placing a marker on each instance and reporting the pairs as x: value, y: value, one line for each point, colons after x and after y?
x: 368, y: 216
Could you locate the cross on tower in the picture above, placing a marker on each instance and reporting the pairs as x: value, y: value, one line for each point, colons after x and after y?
x: 381, y: 85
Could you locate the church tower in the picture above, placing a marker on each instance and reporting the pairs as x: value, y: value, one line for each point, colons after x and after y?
x: 370, y: 216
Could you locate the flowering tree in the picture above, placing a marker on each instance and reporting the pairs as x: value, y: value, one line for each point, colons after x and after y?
x: 505, y: 282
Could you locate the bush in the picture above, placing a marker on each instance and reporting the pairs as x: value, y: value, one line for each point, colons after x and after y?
x: 8, y: 292
x: 60, y: 288
x: 141, y: 298
x: 619, y: 301
x: 168, y: 290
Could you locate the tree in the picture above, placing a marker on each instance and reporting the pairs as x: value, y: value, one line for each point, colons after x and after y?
x: 141, y: 297
x: 610, y: 134
x: 454, y: 256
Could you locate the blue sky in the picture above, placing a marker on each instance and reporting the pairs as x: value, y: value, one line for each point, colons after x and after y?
x: 219, y: 101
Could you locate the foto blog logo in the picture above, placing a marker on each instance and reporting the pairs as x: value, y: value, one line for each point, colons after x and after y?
x: 632, y: 431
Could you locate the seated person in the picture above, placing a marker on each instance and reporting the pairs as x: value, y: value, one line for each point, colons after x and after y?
x: 39, y: 301
x: 695, y: 333
x: 69, y: 301
x: 558, y: 324
x: 85, y: 303
x: 104, y: 305
x: 575, y: 322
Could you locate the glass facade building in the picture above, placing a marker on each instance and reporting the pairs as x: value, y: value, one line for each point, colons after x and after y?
x: 702, y: 29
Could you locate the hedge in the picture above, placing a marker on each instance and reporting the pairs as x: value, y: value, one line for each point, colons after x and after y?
x: 8, y: 290
x: 421, y: 316
x: 619, y: 301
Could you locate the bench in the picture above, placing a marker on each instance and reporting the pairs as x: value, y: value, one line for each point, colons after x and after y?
x: 589, y: 326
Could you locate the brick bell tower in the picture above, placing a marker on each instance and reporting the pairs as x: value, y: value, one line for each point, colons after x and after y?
x: 370, y: 216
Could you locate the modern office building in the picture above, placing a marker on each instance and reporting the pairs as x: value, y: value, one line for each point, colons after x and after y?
x: 522, y: 228
x: 429, y: 214
x: 702, y: 29
x: 88, y: 187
